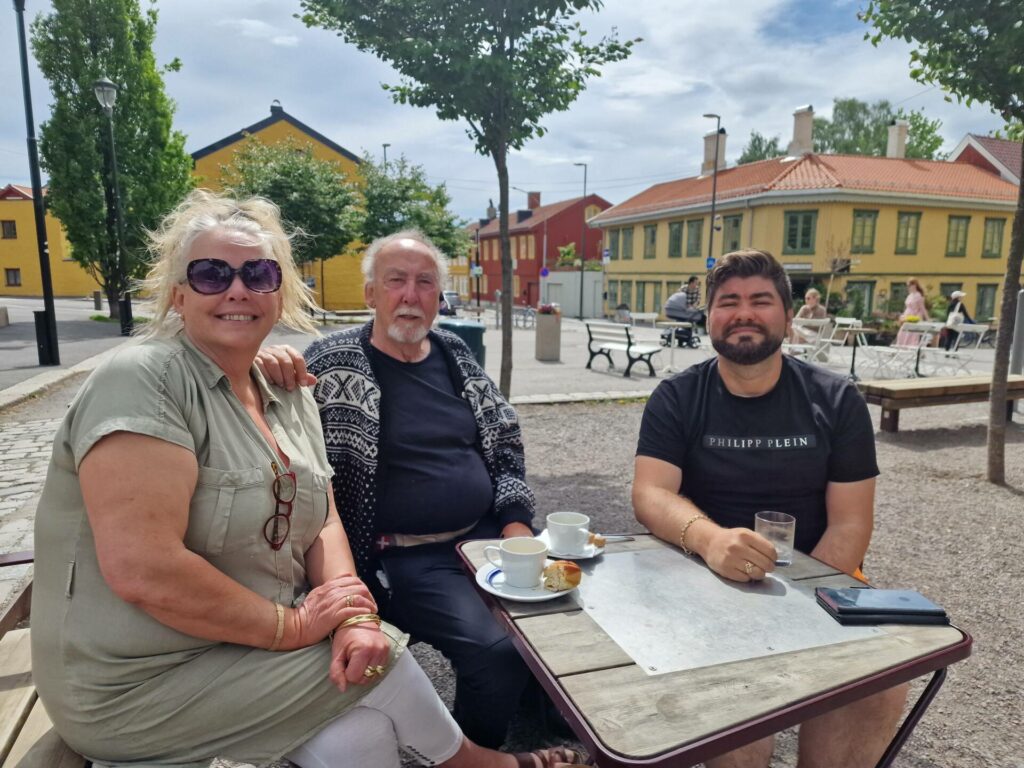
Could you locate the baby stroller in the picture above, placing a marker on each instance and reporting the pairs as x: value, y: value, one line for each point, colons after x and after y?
x: 683, y: 336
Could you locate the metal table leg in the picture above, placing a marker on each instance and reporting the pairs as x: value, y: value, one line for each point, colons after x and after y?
x: 915, y: 715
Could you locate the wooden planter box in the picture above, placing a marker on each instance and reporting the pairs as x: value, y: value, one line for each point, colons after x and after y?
x: 548, y: 338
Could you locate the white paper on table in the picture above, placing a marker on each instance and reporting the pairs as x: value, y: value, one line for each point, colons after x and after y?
x: 670, y: 613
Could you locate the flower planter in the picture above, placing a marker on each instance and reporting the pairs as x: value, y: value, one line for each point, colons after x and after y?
x: 548, y: 346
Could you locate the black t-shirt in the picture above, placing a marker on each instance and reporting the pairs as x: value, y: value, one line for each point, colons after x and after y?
x: 778, y: 451
x: 433, y: 478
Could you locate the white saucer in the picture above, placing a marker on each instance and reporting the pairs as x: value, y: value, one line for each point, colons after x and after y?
x: 491, y: 579
x: 588, y: 552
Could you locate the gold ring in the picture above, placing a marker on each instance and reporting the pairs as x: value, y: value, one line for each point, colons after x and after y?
x: 748, y: 567
x: 373, y: 671
x: 349, y: 599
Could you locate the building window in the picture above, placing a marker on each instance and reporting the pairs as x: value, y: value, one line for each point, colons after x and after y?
x: 956, y: 236
x: 10, y: 229
x: 986, y: 308
x: 800, y: 227
x: 860, y: 297
x: 694, y: 232
x: 731, y: 228
x: 657, y: 298
x: 613, y: 244
x: 641, y: 297
x: 12, y: 277
x: 897, y: 297
x: 627, y: 243
x: 675, y: 239
x: 650, y: 241
x: 992, y: 246
x: 907, y: 226
x: 947, y: 288
x: 626, y: 288
x: 613, y: 293
x: 863, y: 238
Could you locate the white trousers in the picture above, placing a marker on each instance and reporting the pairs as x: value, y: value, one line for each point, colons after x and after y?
x: 402, y: 712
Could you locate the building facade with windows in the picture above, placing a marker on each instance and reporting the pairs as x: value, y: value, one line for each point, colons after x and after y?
x: 536, y: 234
x: 868, y: 223
x: 19, y: 250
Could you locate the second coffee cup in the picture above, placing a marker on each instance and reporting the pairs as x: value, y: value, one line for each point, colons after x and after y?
x: 521, y: 558
x: 568, y: 532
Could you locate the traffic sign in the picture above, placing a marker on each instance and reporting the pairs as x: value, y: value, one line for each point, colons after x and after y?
x: 544, y: 272
x: 710, y: 263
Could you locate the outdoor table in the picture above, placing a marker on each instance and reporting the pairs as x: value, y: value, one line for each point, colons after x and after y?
x: 672, y: 325
x: 627, y: 717
x: 846, y: 330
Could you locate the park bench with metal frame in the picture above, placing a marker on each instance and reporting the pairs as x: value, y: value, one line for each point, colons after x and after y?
x: 604, y: 338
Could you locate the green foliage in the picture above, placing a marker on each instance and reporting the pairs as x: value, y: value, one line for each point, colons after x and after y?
x: 760, y: 148
x: 859, y: 128
x: 315, y: 196
x: 75, y: 44
x: 567, y: 255
x: 399, y: 196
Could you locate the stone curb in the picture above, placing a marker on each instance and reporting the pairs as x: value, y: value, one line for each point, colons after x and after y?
x: 23, y: 390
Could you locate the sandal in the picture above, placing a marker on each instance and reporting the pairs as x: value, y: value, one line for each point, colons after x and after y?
x: 553, y: 757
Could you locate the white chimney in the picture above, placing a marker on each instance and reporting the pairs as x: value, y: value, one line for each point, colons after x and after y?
x: 803, y: 132
x: 897, y: 144
x: 708, y: 165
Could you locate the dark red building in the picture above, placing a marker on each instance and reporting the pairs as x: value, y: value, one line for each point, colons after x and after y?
x: 535, y: 236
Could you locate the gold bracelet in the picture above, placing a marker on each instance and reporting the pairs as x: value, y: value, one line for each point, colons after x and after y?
x: 280, y: 628
x: 362, y: 618
x: 686, y: 527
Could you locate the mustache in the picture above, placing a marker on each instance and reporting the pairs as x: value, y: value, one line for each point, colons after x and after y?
x: 413, y: 311
x: 754, y: 326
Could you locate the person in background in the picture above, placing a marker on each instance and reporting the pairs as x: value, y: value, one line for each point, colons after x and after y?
x: 913, y: 307
x: 194, y: 592
x: 956, y: 314
x: 684, y: 304
x: 811, y: 310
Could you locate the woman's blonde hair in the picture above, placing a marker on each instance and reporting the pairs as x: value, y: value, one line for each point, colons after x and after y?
x: 813, y: 292
x: 204, y: 211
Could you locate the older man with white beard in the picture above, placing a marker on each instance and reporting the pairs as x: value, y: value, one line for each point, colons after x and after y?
x: 426, y: 453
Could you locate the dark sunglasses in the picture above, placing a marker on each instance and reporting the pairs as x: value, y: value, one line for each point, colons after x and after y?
x: 210, y: 276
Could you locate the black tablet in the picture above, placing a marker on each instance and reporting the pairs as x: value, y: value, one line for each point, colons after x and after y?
x: 852, y: 601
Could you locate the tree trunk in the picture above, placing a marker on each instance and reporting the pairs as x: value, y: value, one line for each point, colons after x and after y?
x: 505, y: 382
x: 112, y: 302
x: 1001, y: 367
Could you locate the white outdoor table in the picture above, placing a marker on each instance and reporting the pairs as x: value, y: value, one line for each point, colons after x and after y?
x: 672, y: 325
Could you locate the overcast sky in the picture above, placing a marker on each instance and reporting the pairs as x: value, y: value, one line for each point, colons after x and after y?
x: 751, y: 61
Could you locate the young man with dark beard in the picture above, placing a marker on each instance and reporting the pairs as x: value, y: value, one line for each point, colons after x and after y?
x: 751, y: 430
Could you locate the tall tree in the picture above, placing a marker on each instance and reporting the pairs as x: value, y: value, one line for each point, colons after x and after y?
x: 859, y: 128
x: 971, y: 48
x: 315, y: 196
x: 760, y: 147
x: 77, y: 43
x: 397, y: 196
x: 501, y: 66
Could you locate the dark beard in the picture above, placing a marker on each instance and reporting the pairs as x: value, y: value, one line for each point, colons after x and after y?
x: 747, y: 353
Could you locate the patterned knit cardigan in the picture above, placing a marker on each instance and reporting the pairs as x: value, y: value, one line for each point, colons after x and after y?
x: 349, y: 397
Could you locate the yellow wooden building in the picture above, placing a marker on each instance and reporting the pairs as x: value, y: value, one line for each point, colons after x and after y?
x: 867, y: 222
x: 19, y: 250
x: 341, y: 275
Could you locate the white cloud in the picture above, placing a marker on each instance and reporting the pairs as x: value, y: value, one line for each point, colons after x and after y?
x: 260, y: 30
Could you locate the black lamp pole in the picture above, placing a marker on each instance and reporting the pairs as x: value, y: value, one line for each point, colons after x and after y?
x: 583, y: 235
x: 106, y: 94
x: 46, y: 321
x: 714, y: 181
x: 386, y: 157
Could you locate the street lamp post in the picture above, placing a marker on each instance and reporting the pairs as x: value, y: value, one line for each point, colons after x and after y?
x: 386, y: 157
x: 583, y: 235
x: 714, y: 182
x: 46, y: 321
x: 106, y: 95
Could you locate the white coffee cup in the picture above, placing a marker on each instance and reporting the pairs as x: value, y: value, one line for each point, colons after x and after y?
x: 568, y: 532
x: 521, y: 558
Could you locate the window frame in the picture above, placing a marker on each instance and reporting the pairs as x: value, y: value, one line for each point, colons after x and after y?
x: 986, y: 253
x: 726, y: 220
x: 650, y: 241
x: 627, y: 235
x: 698, y: 226
x: 8, y: 226
x: 902, y: 216
x: 613, y: 244
x: 675, y: 239
x: 12, y: 272
x: 804, y: 217
x: 960, y: 253
x: 864, y: 214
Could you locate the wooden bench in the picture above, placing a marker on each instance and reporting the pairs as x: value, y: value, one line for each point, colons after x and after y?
x: 896, y: 394
x: 604, y: 338
x: 27, y: 737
